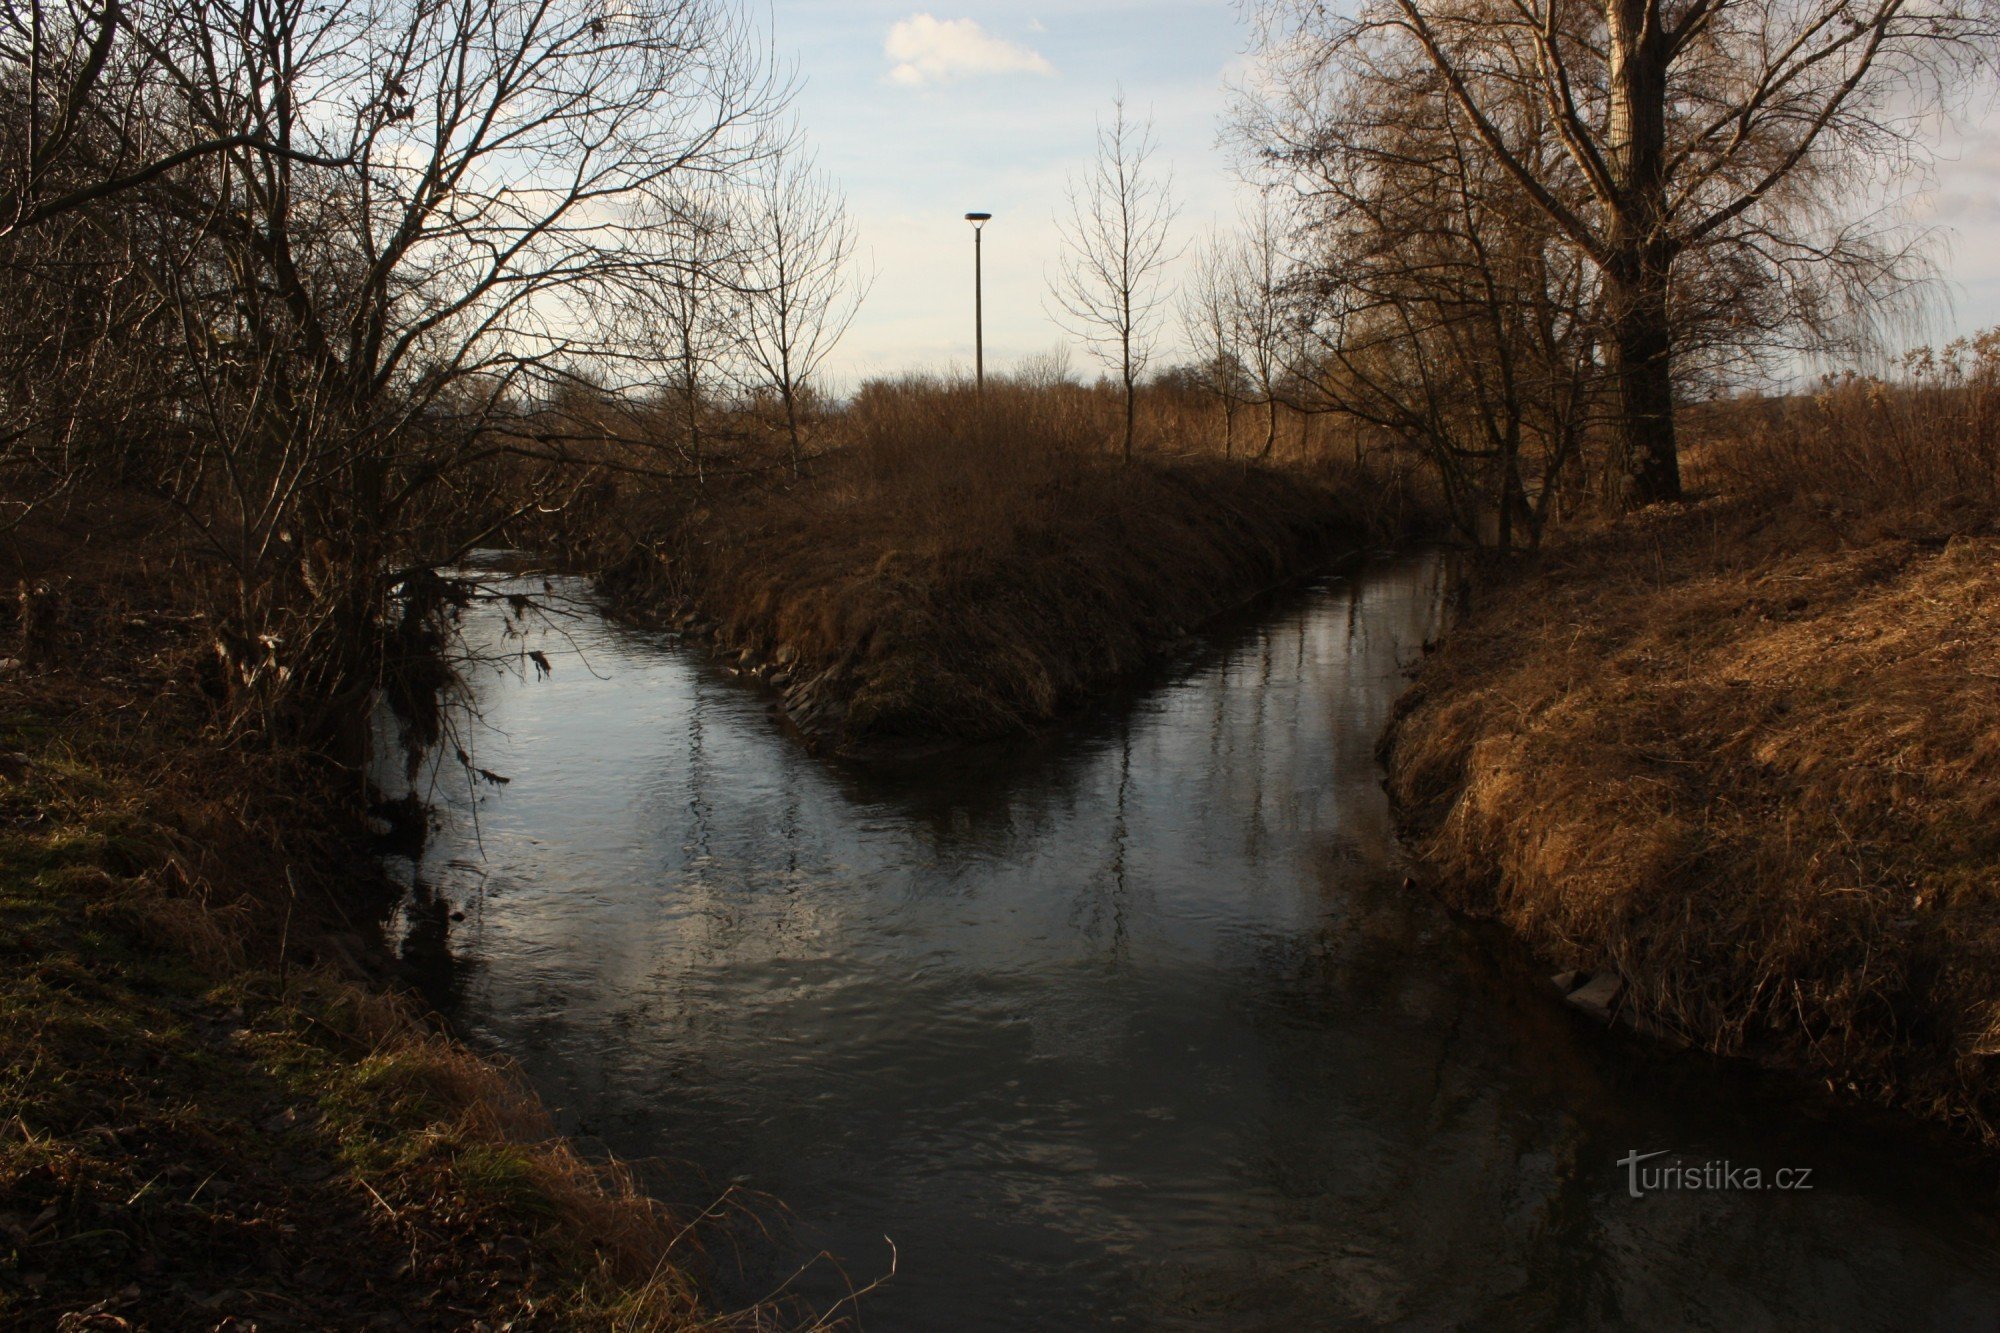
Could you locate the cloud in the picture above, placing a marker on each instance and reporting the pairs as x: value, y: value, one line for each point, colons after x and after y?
x: 930, y: 50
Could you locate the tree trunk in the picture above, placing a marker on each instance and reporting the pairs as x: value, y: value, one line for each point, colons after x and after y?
x: 792, y: 431
x: 1639, y: 355
x: 1639, y: 343
x: 1130, y: 414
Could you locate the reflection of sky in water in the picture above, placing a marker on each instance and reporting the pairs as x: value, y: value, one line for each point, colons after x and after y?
x: 1130, y: 1024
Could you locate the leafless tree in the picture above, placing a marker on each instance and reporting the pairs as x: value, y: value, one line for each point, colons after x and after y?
x: 1736, y: 130
x: 1115, y: 228
x: 80, y: 109
x: 1243, y: 313
x: 799, y: 294
x: 1440, y: 307
x: 410, y: 224
x: 697, y: 307
x: 1207, y: 311
x: 1266, y: 325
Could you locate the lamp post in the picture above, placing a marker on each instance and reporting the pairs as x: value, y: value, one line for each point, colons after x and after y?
x: 978, y: 221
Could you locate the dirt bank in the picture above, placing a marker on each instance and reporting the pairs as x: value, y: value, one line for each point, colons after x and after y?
x: 1746, y: 755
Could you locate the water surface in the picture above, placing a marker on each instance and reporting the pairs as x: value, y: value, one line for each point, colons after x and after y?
x: 1131, y: 1025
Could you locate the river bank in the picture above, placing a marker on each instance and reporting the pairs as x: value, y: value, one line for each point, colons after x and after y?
x: 1126, y: 1022
x: 252, y: 1121
x: 940, y: 582
x: 1741, y: 758
x: 217, y: 1113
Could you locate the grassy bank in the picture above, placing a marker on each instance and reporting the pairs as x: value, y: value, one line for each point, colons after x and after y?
x: 1745, y: 754
x: 954, y: 572
x: 215, y: 1115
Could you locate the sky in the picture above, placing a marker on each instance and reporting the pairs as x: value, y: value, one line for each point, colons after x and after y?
x: 923, y: 113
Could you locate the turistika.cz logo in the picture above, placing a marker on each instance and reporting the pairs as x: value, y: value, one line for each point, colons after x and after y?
x: 1641, y: 1180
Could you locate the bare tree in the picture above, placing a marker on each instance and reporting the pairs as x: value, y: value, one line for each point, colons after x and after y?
x: 1446, y: 315
x: 423, y: 224
x: 697, y: 308
x: 1115, y: 231
x: 799, y: 295
x: 1240, y: 315
x: 80, y: 109
x: 1727, y: 127
x: 1208, y: 322
x: 1266, y: 329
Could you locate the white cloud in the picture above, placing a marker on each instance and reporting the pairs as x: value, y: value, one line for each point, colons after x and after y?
x: 931, y: 50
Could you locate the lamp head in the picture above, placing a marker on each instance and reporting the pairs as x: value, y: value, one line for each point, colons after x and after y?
x: 976, y: 219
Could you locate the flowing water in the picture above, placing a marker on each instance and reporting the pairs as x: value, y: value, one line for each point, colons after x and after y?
x: 1130, y: 1025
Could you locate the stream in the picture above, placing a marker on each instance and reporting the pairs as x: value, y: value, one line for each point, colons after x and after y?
x: 1133, y: 1023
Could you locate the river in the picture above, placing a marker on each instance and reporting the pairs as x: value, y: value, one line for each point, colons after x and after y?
x: 1131, y: 1024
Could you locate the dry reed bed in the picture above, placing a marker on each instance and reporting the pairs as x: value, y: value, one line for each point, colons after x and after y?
x: 1747, y: 753
x: 942, y: 580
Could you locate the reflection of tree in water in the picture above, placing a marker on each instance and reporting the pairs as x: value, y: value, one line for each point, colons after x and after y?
x: 1452, y: 1207
x: 436, y: 974
x: 695, y: 849
x: 1105, y: 901
x: 1273, y: 1068
x: 749, y: 855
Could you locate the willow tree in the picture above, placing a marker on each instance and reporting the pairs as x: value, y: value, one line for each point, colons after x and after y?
x: 1739, y: 130
x: 1443, y: 314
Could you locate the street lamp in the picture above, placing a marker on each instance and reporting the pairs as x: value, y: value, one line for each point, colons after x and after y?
x: 978, y: 221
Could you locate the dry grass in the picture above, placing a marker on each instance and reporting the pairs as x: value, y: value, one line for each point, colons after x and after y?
x: 958, y: 571
x: 1747, y: 752
x: 1919, y: 445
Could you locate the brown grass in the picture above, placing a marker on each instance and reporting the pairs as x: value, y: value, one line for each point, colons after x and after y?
x: 958, y: 572
x: 1919, y: 445
x: 1747, y: 752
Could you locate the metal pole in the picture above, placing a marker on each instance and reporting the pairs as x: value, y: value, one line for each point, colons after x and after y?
x: 978, y: 221
x: 978, y: 314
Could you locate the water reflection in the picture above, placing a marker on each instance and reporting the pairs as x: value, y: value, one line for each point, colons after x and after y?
x: 1132, y: 1025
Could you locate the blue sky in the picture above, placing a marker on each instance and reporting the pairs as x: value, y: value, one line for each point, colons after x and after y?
x: 925, y: 112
